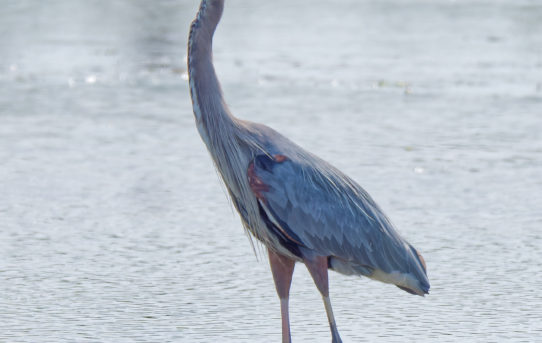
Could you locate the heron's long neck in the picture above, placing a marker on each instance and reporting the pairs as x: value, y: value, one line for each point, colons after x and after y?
x: 210, y: 110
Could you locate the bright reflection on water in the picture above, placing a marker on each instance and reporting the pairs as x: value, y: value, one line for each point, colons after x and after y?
x: 114, y: 227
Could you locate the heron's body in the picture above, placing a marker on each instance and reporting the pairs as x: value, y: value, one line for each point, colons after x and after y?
x: 300, y: 207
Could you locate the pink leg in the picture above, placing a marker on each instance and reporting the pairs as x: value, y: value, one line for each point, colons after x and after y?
x: 282, y: 268
x: 317, y: 267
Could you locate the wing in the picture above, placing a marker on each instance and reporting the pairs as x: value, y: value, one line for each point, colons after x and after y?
x: 316, y: 207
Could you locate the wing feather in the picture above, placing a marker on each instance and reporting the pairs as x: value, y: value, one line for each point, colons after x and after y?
x: 332, y: 215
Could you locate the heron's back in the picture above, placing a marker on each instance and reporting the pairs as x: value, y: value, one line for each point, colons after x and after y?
x: 326, y: 212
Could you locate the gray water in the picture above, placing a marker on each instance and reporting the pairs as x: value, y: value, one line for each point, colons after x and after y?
x: 115, y: 228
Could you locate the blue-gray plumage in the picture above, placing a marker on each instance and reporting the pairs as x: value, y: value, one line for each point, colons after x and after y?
x: 299, y: 206
x: 327, y: 213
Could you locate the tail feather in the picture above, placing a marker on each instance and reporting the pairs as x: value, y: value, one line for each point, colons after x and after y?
x: 413, y: 281
x: 407, y: 290
x: 422, y: 260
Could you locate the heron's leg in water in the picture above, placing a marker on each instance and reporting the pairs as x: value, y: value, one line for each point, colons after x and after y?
x: 317, y: 267
x: 282, y: 268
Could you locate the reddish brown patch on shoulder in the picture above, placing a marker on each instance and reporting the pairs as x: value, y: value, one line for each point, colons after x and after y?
x: 280, y: 158
x: 256, y: 184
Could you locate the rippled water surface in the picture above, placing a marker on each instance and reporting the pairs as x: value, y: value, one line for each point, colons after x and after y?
x: 115, y: 228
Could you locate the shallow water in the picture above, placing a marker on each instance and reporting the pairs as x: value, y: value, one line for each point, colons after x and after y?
x: 114, y: 227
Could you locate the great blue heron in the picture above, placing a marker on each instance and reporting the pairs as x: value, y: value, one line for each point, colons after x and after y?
x: 299, y: 206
